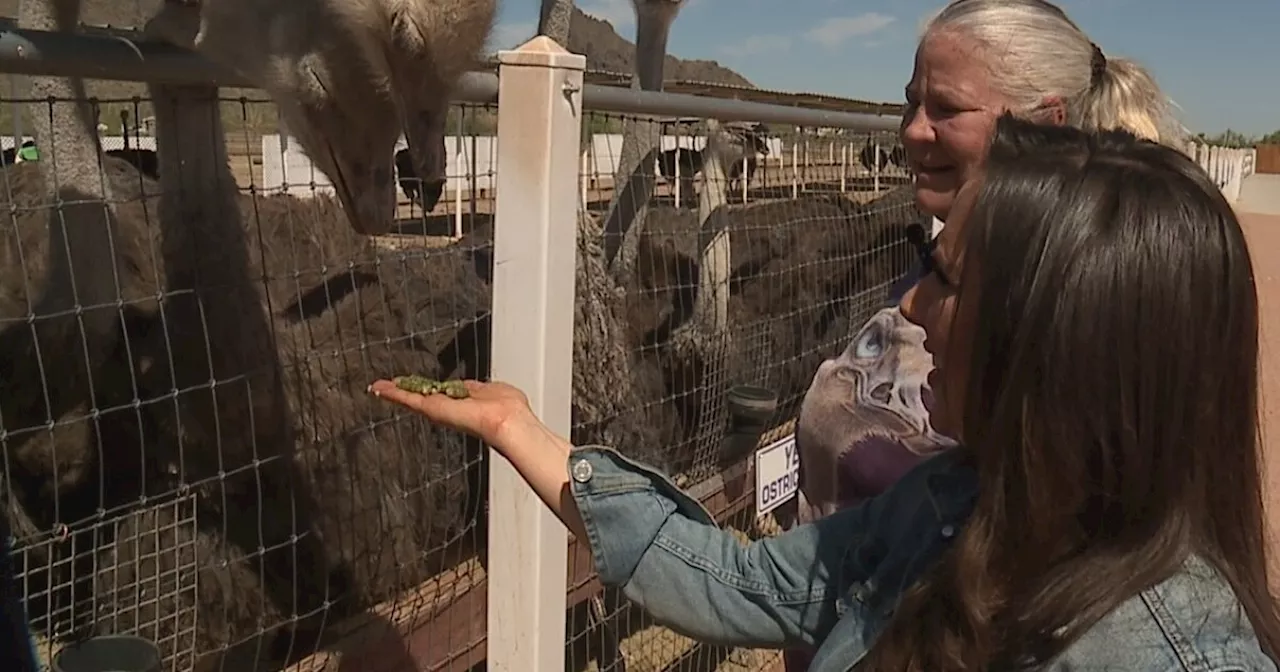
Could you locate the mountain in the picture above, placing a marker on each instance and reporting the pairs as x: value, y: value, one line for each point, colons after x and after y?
x: 609, y: 52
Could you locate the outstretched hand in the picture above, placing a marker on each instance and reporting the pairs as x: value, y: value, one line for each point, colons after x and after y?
x: 485, y: 413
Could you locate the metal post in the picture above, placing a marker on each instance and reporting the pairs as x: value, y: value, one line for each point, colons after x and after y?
x: 474, y: 180
x: 795, y: 168
x: 844, y: 166
x: 876, y: 169
x: 19, y: 136
x: 804, y: 178
x: 584, y: 171
x: 535, y: 249
x: 676, y: 172
x: 459, y: 161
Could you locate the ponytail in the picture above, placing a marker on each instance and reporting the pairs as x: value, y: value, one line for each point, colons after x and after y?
x: 1123, y: 94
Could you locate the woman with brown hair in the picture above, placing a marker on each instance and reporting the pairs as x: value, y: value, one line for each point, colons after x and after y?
x: 1091, y: 312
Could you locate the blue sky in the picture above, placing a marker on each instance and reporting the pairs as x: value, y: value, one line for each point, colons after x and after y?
x: 1219, y: 60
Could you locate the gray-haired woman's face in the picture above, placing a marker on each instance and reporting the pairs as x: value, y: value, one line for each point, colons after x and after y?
x: 950, y: 115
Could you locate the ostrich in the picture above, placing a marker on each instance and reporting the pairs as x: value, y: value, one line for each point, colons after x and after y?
x: 317, y: 498
x: 237, y: 427
x: 757, y: 145
x: 690, y: 161
x: 681, y: 163
x: 144, y: 160
x: 62, y: 267
x: 362, y: 71
x: 898, y: 156
x: 308, y: 464
x: 124, y: 363
x: 877, y: 158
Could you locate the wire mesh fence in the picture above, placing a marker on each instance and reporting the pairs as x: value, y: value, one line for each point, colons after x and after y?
x: 814, y: 240
x: 189, y: 452
x: 188, y: 321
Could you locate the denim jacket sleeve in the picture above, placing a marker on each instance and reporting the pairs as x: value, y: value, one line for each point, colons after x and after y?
x: 672, y: 559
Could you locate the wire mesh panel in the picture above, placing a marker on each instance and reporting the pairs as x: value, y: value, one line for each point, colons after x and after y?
x: 743, y: 254
x: 190, y: 455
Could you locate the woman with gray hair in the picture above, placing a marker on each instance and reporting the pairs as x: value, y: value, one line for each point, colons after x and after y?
x: 865, y: 419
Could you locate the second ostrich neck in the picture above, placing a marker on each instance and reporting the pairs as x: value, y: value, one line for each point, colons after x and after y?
x: 199, y: 213
x: 653, y: 26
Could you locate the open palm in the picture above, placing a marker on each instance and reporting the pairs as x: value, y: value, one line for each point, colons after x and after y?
x: 489, y: 408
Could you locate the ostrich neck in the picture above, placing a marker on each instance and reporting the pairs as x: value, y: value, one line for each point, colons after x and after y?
x: 554, y: 20
x: 652, y: 29
x: 198, y: 211
x: 81, y: 228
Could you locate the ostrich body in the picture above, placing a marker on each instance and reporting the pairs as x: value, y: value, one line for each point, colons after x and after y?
x: 146, y: 161
x: 878, y: 158
x: 347, y: 83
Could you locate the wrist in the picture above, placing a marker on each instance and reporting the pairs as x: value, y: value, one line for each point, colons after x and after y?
x: 517, y: 430
x: 524, y: 436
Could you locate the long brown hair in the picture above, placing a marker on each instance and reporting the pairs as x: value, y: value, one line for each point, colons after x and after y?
x: 1111, y: 409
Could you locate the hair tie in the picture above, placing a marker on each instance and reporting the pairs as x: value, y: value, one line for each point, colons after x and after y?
x: 1098, y: 65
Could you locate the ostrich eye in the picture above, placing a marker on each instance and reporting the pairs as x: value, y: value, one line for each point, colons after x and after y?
x: 870, y: 344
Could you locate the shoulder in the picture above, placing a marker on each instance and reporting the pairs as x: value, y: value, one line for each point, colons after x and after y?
x: 1190, y: 622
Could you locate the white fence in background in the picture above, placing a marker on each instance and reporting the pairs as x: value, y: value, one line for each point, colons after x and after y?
x: 1228, y: 167
x: 109, y: 142
x: 472, y: 161
x: 291, y: 171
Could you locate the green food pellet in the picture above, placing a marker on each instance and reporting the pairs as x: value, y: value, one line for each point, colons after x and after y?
x: 423, y: 385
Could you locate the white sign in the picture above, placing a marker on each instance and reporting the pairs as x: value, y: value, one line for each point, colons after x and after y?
x: 777, y: 474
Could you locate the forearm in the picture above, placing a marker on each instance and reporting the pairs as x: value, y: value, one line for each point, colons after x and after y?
x: 540, y: 456
x: 669, y: 555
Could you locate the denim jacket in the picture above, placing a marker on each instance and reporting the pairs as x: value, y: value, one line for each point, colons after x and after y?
x: 833, y: 584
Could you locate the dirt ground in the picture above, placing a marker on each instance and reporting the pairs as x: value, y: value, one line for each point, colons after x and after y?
x: 1263, y: 232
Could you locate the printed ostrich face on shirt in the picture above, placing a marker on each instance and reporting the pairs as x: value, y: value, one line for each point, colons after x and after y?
x: 865, y: 419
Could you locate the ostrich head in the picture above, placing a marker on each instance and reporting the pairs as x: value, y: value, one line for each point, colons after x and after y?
x: 347, y: 77
x: 431, y: 44
x: 347, y: 128
x: 760, y: 133
x: 344, y: 122
x: 413, y: 54
x: 653, y: 25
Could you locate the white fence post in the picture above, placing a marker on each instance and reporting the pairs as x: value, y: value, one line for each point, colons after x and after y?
x: 535, y: 250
